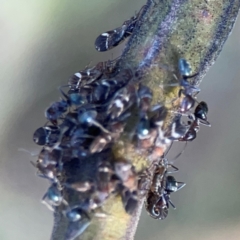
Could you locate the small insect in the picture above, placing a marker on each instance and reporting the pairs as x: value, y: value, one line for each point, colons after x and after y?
x: 78, y: 222
x: 113, y: 38
x: 53, y: 197
x: 163, y: 136
x: 157, y: 205
x: 199, y: 116
x: 78, y: 137
x: 145, y: 142
x: 125, y: 171
x: 74, y: 97
x: 104, y: 175
x: 158, y: 197
x: 104, y: 89
x: 49, y: 163
x: 56, y: 110
x: 47, y: 135
x: 75, y: 213
x: 104, y: 186
x: 158, y: 202
x: 185, y: 71
x: 121, y: 101
x: 69, y: 124
x: 49, y: 172
x: 49, y: 156
x: 100, y: 92
x: 100, y: 142
x: 84, y: 77
x: 107, y: 67
x: 201, y: 113
x: 130, y: 200
x: 145, y: 97
x: 160, y: 113
x: 128, y: 185
x: 160, y: 175
x: 143, y: 128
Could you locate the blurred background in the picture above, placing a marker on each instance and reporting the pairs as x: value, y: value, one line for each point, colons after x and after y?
x: 42, y: 43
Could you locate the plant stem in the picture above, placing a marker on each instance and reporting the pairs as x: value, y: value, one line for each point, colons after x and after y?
x: 166, y: 31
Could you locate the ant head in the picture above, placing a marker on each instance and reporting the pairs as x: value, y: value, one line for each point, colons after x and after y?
x: 201, y: 113
x: 172, y: 185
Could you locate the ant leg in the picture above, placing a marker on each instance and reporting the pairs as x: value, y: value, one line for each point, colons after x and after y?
x: 171, y: 203
x: 175, y: 169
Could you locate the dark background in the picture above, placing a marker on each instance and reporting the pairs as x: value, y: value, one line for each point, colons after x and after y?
x: 42, y: 43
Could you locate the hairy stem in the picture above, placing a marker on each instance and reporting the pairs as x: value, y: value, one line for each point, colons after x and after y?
x: 166, y: 30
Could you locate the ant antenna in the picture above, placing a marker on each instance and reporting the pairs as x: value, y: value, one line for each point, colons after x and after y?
x: 62, y: 92
x: 33, y: 154
x: 88, y: 65
x: 167, y: 151
x: 179, y: 154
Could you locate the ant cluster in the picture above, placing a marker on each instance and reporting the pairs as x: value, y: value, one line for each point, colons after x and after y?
x: 92, y: 116
x: 158, y: 183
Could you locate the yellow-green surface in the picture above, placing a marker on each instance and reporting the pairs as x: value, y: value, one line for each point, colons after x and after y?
x: 41, y: 46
